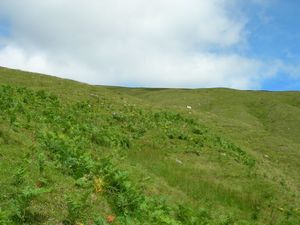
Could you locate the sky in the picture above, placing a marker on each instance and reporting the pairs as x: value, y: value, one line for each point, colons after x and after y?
x: 240, y: 44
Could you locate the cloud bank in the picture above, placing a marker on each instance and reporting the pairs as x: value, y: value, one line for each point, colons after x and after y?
x: 157, y: 43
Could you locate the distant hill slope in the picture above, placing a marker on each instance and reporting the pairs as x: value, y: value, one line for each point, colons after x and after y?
x: 72, y: 153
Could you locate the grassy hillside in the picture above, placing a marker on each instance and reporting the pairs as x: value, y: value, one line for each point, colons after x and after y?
x: 72, y: 153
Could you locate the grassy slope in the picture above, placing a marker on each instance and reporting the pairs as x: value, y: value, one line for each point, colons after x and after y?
x: 266, y: 125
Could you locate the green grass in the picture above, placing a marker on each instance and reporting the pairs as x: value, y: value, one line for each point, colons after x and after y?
x: 232, y: 159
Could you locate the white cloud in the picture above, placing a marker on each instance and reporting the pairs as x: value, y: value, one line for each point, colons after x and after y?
x: 171, y: 43
x: 15, y: 58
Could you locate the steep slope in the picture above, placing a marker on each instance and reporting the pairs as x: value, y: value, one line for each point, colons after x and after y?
x: 73, y: 153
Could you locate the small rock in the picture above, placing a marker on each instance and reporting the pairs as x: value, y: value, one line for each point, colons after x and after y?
x: 179, y: 161
x: 93, y: 95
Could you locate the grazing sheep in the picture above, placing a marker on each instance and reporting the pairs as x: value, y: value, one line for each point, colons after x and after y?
x: 189, y: 107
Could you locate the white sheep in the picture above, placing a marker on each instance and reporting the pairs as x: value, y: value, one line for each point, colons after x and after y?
x: 189, y: 107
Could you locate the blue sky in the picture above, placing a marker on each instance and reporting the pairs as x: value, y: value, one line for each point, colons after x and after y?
x: 275, y: 33
x: 279, y: 34
x: 209, y: 43
x: 4, y: 28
